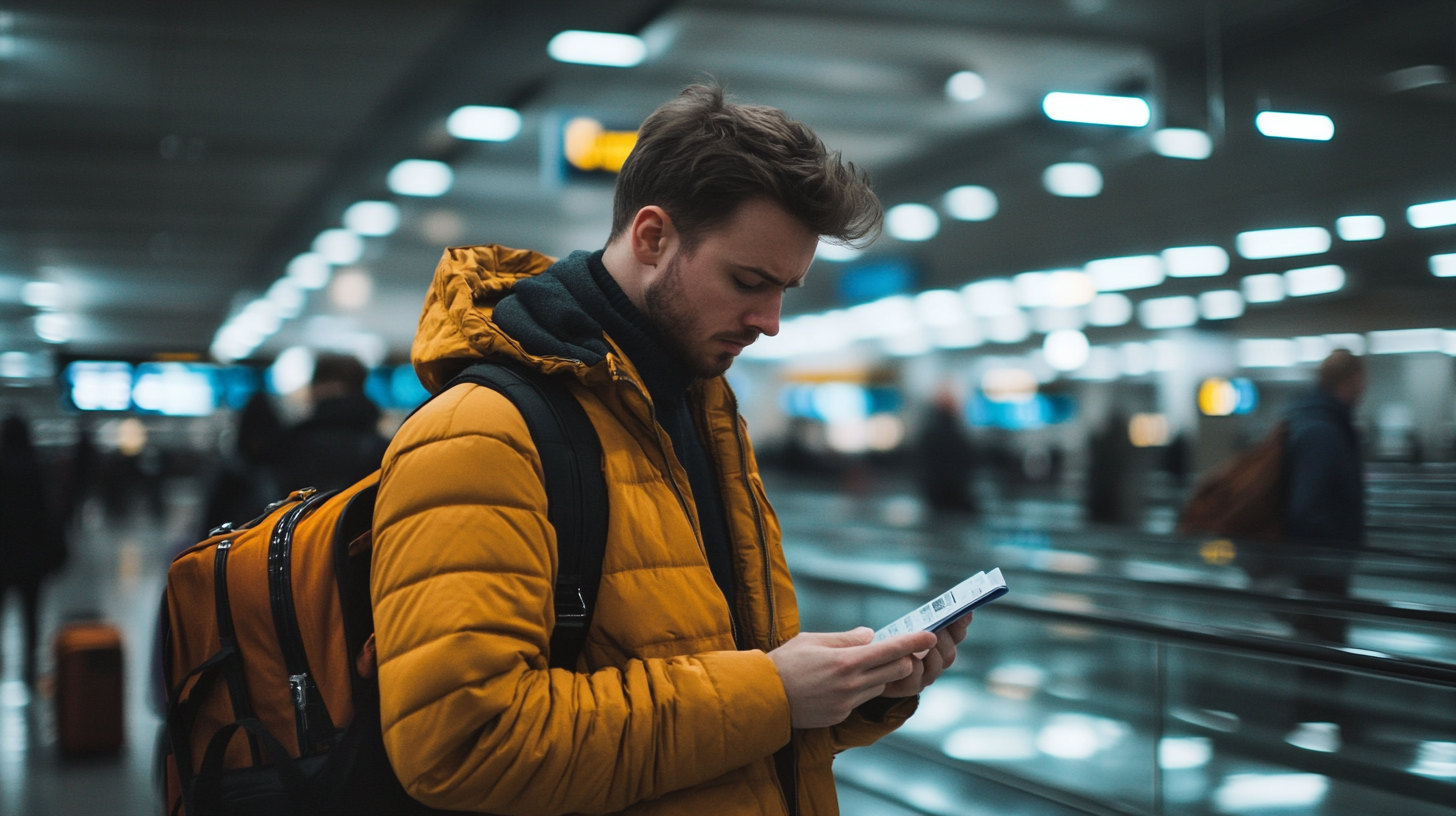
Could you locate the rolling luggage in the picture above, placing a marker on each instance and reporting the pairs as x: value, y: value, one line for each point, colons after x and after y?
x: 88, y: 671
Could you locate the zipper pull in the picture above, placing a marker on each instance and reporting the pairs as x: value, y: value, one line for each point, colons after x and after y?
x: 298, y: 690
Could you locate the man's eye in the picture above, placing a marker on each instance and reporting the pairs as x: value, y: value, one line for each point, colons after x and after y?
x: 746, y: 286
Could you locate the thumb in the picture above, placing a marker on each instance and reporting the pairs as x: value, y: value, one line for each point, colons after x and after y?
x: 858, y: 636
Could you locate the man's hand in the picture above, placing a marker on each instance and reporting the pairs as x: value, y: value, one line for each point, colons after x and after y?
x: 929, y: 667
x: 827, y: 674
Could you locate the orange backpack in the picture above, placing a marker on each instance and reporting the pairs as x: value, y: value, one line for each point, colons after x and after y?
x: 268, y: 636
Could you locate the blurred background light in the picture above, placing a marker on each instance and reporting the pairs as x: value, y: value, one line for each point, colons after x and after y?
x: 1008, y: 328
x: 1137, y: 359
x: 835, y: 252
x: 1072, y: 180
x: 1222, y: 397
x: 99, y: 386
x: 1443, y: 266
x: 1282, y: 243
x: 1432, y: 214
x: 1168, y: 312
x: 1244, y: 792
x: 990, y: 298
x: 1182, y: 143
x: 912, y: 222
x: 1314, y: 280
x: 1195, y: 261
x: 1220, y: 304
x: 287, y: 297
x: 309, y: 270
x: 1066, y: 349
x: 1267, y: 353
x: 1008, y: 384
x: 54, y: 327
x: 965, y: 86
x: 351, y: 289
x: 1407, y: 341
x: 1148, y: 430
x: 1109, y: 310
x: 372, y: 218
x: 1360, y: 227
x: 41, y: 294
x: 1121, y: 274
x: 292, y: 370
x: 420, y: 177
x: 484, y: 123
x: 1267, y: 288
x: 1310, y: 126
x: 970, y: 202
x: 1096, y: 109
x: 338, y: 246
x: 940, y: 308
x: 597, y: 48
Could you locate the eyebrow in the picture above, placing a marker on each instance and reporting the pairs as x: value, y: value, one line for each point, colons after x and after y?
x: 771, y: 278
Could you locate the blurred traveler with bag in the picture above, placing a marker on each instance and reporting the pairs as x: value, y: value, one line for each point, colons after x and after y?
x: 945, y: 457
x: 31, y: 543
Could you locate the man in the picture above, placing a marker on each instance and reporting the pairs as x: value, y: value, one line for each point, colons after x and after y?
x: 340, y: 443
x: 1324, y: 506
x: 695, y: 693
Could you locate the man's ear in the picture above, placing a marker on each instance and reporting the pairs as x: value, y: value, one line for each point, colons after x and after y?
x: 652, y: 235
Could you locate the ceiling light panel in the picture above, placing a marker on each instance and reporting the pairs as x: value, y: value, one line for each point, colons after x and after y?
x: 483, y: 123
x: 1360, y: 228
x: 965, y: 86
x: 1096, y: 109
x: 1195, y: 261
x: 970, y: 202
x: 1282, y: 243
x: 1182, y: 143
x: 912, y: 222
x: 1072, y: 180
x: 1121, y: 274
x: 1314, y: 280
x: 1308, y: 126
x: 597, y: 48
x: 1432, y: 214
x: 1168, y: 312
x: 421, y: 177
x: 372, y: 218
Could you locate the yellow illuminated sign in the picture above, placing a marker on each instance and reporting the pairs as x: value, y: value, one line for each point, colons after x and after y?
x: 1217, y: 397
x: 589, y: 146
x: 1218, y: 551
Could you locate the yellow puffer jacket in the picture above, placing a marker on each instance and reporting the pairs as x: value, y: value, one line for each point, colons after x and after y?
x: 663, y: 714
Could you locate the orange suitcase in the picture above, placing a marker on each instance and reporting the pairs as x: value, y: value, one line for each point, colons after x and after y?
x: 88, y: 673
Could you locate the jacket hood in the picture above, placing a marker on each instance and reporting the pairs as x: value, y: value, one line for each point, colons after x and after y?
x: 457, y: 325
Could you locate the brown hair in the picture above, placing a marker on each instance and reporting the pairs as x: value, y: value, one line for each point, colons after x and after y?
x: 699, y: 157
x: 1339, y: 368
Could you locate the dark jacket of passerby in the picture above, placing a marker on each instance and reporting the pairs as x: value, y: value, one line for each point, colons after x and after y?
x: 1323, y: 475
x: 336, y: 447
x: 246, y: 481
x: 31, y: 545
x: 945, y: 460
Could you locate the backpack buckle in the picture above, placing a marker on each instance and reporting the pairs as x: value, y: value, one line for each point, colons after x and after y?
x: 225, y: 527
x: 571, y: 610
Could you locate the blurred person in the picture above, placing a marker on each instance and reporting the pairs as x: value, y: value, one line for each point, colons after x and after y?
x: 245, y: 480
x: 340, y: 443
x: 945, y: 457
x: 31, y: 543
x: 695, y: 692
x: 1109, y: 461
x: 79, y: 477
x: 1324, y: 506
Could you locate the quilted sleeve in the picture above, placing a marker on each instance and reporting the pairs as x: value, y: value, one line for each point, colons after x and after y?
x: 473, y: 718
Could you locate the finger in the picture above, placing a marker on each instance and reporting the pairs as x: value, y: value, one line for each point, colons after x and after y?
x: 958, y: 627
x: 892, y: 649
x: 890, y: 672
x: 946, y: 647
x: 934, y: 665
x: 858, y: 636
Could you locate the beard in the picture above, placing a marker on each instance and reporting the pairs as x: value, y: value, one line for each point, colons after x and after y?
x: 680, y: 327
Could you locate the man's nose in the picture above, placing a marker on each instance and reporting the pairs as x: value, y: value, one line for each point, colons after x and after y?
x: 765, y: 317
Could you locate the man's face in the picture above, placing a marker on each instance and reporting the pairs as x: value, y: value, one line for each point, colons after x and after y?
x: 710, y: 303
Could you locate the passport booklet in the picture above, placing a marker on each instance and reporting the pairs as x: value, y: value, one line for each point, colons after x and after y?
x: 976, y: 591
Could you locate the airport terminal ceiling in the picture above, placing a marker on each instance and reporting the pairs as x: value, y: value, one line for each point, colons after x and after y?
x: 164, y: 161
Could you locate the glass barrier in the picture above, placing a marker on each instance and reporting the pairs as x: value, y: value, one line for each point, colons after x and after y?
x: 1122, y: 710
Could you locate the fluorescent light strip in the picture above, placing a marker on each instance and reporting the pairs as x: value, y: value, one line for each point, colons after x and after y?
x: 1282, y: 243
x: 1308, y: 126
x: 1096, y: 109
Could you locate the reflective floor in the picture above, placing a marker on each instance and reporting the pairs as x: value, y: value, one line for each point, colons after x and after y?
x: 1042, y: 716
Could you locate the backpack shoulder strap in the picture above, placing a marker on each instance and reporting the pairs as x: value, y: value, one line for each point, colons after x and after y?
x: 576, y: 491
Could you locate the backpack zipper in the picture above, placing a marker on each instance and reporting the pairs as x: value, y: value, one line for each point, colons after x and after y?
x: 310, y: 714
